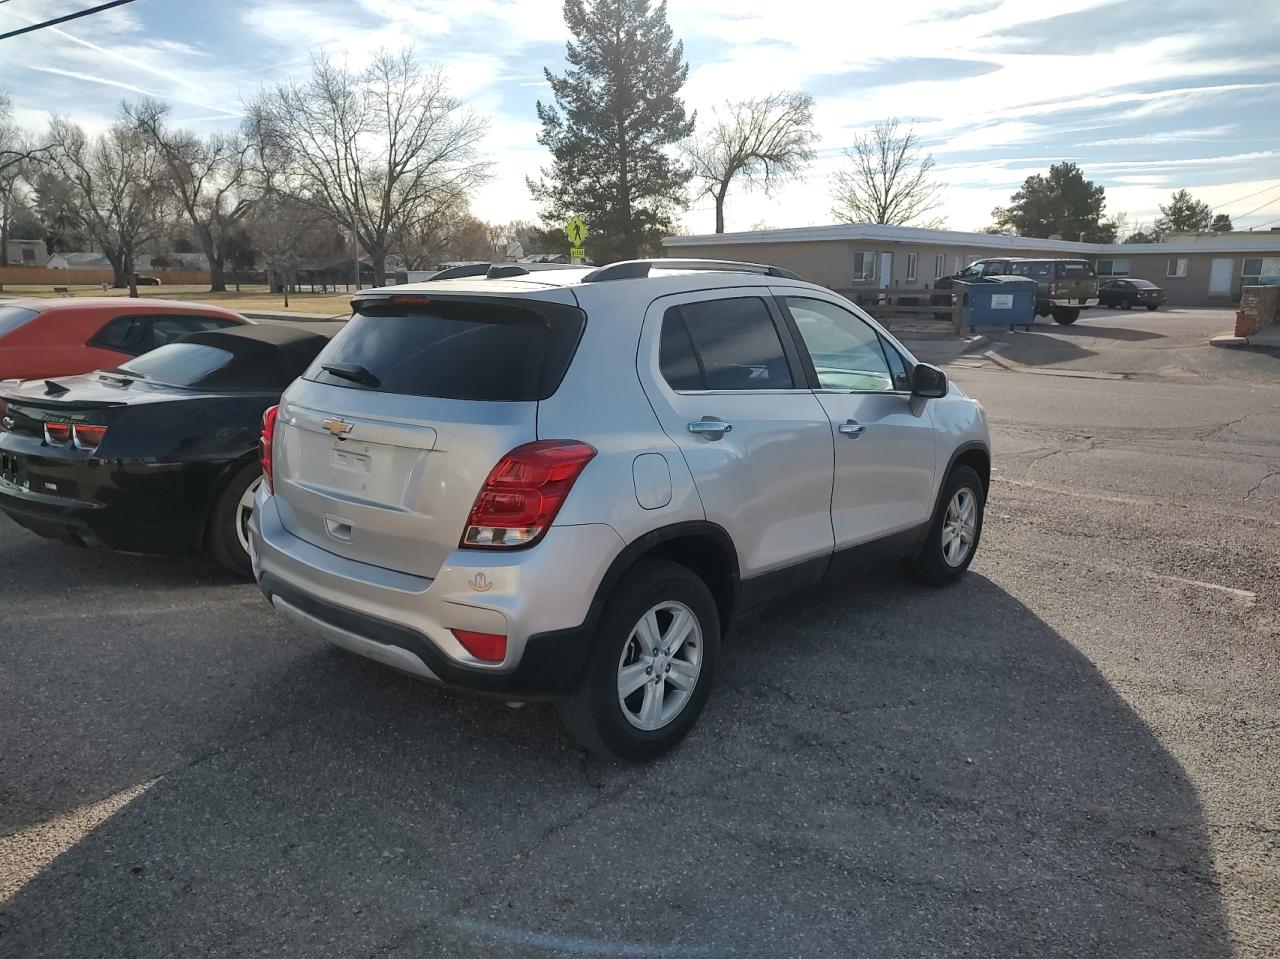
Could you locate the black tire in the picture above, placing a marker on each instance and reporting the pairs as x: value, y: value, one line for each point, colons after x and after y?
x: 1066, y: 315
x: 1125, y: 304
x: 1152, y: 307
x: 931, y: 565
x: 222, y: 537
x: 593, y: 714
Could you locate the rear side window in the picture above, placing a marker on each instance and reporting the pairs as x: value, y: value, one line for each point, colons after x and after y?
x: 12, y: 317
x: 458, y: 350
x: 1030, y: 269
x: 728, y: 344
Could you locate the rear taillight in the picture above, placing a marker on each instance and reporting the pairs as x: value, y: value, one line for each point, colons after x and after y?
x: 491, y: 647
x: 266, y: 445
x: 1053, y: 289
x: 524, y: 492
x: 57, y: 434
x: 87, y: 437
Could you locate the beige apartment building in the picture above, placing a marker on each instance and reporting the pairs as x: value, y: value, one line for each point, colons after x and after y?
x: 1194, y: 271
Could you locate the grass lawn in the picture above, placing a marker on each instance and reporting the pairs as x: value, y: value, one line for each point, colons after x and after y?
x: 250, y: 298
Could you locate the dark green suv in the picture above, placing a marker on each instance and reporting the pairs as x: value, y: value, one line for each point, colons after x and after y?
x: 1064, y: 285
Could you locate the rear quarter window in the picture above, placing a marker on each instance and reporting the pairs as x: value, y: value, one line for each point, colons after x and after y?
x: 461, y: 350
x: 13, y: 317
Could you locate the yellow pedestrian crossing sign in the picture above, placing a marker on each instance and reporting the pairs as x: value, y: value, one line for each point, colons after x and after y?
x: 576, y: 231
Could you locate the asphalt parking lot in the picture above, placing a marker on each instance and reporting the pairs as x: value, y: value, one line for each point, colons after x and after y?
x: 1073, y: 752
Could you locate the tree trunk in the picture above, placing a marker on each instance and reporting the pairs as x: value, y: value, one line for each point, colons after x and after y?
x: 720, y: 195
x: 217, y: 275
x: 379, y: 268
x: 118, y: 278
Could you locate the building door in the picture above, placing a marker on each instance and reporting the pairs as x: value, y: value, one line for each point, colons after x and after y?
x: 886, y: 270
x: 1220, y: 272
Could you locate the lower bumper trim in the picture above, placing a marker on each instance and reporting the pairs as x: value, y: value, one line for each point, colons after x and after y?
x: 550, y: 668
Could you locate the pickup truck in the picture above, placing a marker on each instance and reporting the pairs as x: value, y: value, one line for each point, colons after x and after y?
x: 1064, y: 285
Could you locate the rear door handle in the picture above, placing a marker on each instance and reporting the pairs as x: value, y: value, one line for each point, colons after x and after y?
x: 710, y: 427
x: 852, y: 429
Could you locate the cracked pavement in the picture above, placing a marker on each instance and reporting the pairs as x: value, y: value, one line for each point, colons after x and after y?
x: 1073, y: 752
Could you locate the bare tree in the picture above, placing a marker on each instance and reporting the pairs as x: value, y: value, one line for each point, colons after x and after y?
x: 208, y: 179
x: 288, y: 233
x: 20, y: 158
x: 761, y: 141
x: 114, y: 179
x: 890, y: 180
x: 427, y: 238
x: 376, y: 149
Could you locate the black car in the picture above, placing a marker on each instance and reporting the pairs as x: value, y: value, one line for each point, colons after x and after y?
x: 1127, y: 294
x: 157, y: 456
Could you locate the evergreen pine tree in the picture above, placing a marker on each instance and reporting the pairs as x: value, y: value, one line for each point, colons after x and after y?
x: 617, y: 108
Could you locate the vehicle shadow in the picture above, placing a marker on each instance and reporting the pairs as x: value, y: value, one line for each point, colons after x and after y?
x: 1085, y: 328
x: 884, y: 770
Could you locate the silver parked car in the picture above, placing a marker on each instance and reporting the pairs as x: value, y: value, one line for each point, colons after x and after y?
x: 569, y: 484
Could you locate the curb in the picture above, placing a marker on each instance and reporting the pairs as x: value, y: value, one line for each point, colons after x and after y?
x: 1229, y: 340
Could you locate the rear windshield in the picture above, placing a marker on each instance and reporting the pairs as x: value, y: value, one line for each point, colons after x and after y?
x: 460, y: 350
x: 12, y: 317
x: 1075, y: 270
x: 180, y: 364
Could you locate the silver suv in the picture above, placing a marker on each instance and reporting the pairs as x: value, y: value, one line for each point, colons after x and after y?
x: 569, y: 484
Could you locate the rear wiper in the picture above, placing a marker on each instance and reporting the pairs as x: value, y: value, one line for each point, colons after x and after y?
x: 352, y: 372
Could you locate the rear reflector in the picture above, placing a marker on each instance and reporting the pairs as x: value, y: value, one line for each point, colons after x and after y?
x: 524, y: 492
x: 55, y: 434
x: 266, y: 445
x: 88, y: 437
x: 491, y: 647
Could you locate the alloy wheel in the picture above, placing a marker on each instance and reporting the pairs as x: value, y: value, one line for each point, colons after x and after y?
x: 959, y: 526
x: 244, y: 509
x: 660, y: 665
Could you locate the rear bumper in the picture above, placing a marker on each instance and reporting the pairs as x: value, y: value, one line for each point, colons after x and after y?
x: 541, y: 599
x: 129, y: 527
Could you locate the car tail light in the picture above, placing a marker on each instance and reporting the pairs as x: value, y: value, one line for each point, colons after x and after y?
x: 1053, y: 289
x: 56, y: 434
x: 491, y: 647
x: 524, y: 492
x: 266, y: 445
x: 87, y: 437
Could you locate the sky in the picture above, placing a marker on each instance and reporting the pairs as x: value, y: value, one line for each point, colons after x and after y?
x: 1147, y: 96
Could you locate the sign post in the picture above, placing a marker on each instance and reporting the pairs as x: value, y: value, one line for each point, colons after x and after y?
x: 576, y: 231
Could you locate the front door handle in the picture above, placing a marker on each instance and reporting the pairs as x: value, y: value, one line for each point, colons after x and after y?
x: 852, y: 429
x: 710, y: 427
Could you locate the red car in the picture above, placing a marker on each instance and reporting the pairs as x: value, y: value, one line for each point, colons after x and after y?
x: 45, y: 338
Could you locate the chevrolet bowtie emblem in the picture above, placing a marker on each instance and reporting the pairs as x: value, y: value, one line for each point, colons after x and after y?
x: 338, y: 428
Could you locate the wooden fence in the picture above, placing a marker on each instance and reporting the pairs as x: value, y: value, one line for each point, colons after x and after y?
x: 51, y: 277
x: 894, y: 300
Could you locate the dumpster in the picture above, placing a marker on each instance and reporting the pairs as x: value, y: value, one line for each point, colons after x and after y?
x: 1007, y: 301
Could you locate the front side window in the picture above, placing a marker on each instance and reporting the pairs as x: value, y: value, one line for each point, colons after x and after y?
x: 1177, y: 266
x: 732, y: 344
x: 847, y: 353
x: 864, y: 267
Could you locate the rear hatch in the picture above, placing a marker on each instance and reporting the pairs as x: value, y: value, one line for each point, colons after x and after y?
x: 1074, y: 280
x: 382, y: 445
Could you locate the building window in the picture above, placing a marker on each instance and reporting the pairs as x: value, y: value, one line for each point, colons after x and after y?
x: 939, y: 265
x: 1261, y: 271
x: 912, y: 260
x: 864, y: 267
x: 1113, y: 268
x: 1177, y: 266
x: 959, y: 263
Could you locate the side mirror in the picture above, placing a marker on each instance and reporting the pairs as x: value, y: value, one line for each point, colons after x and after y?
x: 928, y: 382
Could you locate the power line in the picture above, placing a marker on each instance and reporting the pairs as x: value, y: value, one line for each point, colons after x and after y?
x: 1266, y: 202
x: 56, y: 20
x: 1248, y: 196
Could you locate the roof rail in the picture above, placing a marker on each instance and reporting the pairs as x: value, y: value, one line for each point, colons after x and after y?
x: 499, y: 271
x: 469, y: 269
x: 638, y: 269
